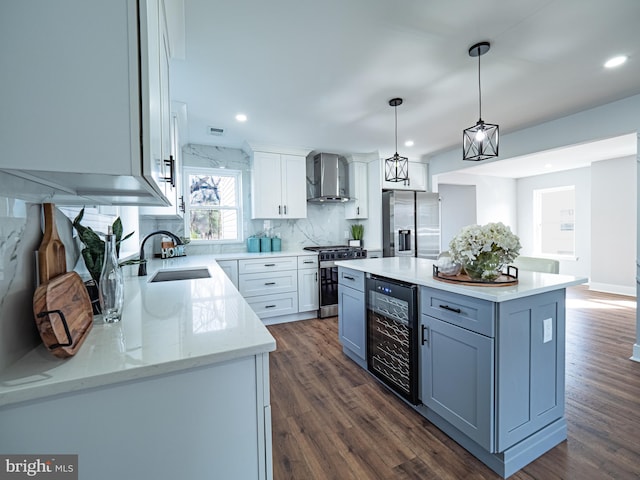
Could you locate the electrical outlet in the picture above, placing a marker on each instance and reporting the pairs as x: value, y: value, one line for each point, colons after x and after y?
x: 547, y: 330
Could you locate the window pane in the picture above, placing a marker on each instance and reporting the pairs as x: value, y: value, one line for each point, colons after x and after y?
x: 209, y: 224
x: 212, y: 190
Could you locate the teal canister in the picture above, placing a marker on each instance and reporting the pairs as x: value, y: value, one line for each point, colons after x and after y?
x: 276, y: 244
x: 253, y: 244
x: 265, y: 244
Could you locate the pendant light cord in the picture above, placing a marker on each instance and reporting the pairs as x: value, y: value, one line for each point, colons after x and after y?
x: 479, y: 89
x: 395, y: 108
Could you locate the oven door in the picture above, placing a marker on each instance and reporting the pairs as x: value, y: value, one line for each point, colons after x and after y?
x: 328, y: 289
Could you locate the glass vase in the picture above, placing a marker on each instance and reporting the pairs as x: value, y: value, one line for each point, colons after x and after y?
x: 111, y: 282
x: 487, y: 267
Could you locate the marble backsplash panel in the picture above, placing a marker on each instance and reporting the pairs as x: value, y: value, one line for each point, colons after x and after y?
x: 20, y: 237
x: 325, y: 223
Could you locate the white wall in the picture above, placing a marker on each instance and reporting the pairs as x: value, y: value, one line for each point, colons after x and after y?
x: 581, y: 178
x: 614, y: 225
x: 495, y: 196
x: 457, y: 209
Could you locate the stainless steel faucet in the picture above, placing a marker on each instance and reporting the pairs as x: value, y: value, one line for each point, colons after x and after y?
x: 142, y: 269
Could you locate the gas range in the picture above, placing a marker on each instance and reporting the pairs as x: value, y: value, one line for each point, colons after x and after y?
x: 338, y: 252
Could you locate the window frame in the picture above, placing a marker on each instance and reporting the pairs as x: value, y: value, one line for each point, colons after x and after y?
x: 537, y: 223
x: 226, y: 172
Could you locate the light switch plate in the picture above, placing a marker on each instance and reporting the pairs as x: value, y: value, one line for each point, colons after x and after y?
x: 547, y: 330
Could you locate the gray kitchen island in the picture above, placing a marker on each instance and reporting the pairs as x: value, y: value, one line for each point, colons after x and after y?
x: 488, y: 362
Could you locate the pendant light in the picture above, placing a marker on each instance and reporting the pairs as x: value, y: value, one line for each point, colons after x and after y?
x: 396, y: 168
x: 480, y: 141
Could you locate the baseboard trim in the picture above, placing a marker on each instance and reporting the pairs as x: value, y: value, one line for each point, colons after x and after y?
x: 613, y: 288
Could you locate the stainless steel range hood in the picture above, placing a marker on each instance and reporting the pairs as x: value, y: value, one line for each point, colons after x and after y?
x: 327, y: 178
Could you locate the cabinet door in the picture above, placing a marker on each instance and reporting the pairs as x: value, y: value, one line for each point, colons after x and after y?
x: 308, y: 291
x: 294, y: 181
x: 352, y: 320
x: 457, y: 378
x: 266, y: 182
x: 358, y: 192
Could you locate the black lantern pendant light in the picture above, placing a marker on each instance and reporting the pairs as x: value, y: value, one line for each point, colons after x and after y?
x: 396, y: 168
x: 480, y: 141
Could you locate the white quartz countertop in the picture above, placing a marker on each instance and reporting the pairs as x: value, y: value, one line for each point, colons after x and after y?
x: 249, y: 255
x: 419, y: 271
x: 166, y: 327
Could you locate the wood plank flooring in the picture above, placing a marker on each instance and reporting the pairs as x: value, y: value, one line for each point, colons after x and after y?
x: 333, y: 420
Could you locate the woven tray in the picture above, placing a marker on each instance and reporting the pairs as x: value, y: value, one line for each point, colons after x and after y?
x: 510, y: 277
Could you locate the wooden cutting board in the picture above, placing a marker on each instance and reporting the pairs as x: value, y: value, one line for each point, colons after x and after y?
x: 63, y: 314
x: 52, y: 260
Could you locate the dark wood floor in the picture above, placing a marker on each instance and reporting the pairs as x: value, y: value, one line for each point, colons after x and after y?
x: 332, y: 420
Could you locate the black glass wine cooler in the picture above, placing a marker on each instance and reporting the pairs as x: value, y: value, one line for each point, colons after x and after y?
x: 392, y: 335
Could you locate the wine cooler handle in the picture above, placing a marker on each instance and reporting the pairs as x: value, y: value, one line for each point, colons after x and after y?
x: 425, y: 338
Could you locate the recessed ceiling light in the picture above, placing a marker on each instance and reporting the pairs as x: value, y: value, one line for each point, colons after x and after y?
x: 615, y: 61
x: 241, y: 117
x: 408, y: 143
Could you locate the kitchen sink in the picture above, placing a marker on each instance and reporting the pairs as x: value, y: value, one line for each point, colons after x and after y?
x: 182, y: 274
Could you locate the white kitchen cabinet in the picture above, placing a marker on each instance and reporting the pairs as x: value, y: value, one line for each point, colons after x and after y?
x: 269, y: 285
x: 417, y: 178
x: 308, y: 288
x: 357, y: 207
x: 90, y: 84
x: 278, y: 186
x: 173, y: 188
x: 230, y: 268
x: 220, y: 422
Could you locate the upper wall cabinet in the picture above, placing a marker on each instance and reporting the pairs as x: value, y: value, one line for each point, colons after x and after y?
x: 85, y: 108
x: 278, y: 186
x: 417, y: 178
x: 357, y: 207
x: 175, y: 187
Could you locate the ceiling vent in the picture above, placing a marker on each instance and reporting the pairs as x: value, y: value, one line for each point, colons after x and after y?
x: 215, y: 131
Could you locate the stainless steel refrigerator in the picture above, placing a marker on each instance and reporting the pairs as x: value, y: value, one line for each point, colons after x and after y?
x: 410, y: 224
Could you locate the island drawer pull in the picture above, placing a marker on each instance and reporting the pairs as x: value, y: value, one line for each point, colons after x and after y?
x: 308, y: 261
x: 348, y: 277
x: 270, y: 306
x: 451, y: 309
x: 269, y: 283
x: 269, y: 264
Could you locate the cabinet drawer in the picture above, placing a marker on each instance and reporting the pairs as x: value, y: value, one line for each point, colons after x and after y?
x: 267, y: 264
x: 253, y: 284
x: 307, y: 261
x: 351, y: 278
x: 467, y: 312
x: 267, y: 306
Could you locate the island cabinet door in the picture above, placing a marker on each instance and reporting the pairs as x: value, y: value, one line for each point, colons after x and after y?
x: 352, y: 320
x: 457, y: 378
x: 530, y: 365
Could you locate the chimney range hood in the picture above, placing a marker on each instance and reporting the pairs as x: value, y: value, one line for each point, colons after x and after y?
x: 327, y: 178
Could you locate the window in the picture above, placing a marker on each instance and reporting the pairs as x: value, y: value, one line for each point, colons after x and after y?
x: 554, y: 221
x: 213, y: 211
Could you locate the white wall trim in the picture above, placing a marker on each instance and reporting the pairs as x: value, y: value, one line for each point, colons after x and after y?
x: 611, y: 288
x: 636, y: 353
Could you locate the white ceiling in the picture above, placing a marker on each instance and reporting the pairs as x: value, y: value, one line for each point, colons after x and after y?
x: 319, y: 74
